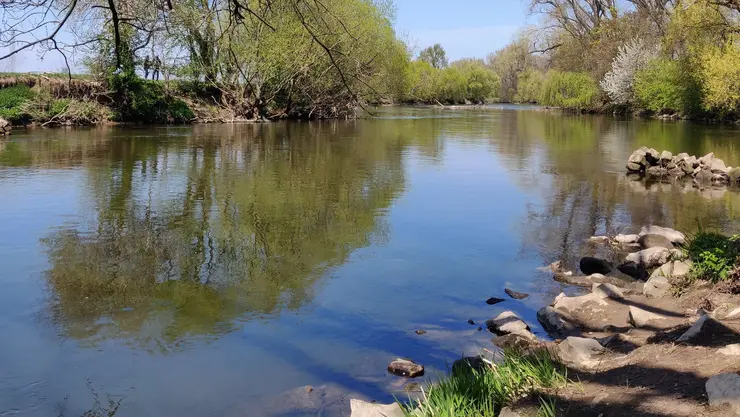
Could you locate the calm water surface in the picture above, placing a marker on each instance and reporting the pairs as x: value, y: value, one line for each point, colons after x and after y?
x: 218, y: 270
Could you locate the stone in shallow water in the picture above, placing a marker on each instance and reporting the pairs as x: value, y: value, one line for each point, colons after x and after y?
x: 652, y: 240
x: 508, y: 322
x: 626, y: 238
x: 515, y: 295
x: 406, y: 368
x: 650, y: 258
x: 493, y: 300
x: 673, y: 235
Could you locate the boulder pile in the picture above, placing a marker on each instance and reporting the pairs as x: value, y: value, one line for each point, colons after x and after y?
x: 5, y: 127
x: 706, y: 170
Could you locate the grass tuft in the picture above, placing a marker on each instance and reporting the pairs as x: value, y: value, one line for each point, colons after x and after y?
x: 484, y: 392
x: 714, y: 255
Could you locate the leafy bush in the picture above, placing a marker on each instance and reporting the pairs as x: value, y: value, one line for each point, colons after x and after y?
x: 12, y: 100
x: 471, y: 392
x: 714, y: 255
x: 667, y: 85
x: 146, y: 101
x: 619, y: 82
x: 529, y: 86
x: 575, y: 90
x: 720, y: 72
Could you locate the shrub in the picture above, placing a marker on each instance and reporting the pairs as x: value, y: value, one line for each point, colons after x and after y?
x: 720, y: 70
x: 471, y: 392
x: 146, y: 101
x: 575, y: 90
x: 714, y: 255
x: 618, y: 83
x: 667, y: 85
x: 529, y: 86
x: 12, y: 100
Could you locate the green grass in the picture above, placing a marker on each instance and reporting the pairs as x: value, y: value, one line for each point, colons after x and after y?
x: 483, y: 393
x: 714, y: 255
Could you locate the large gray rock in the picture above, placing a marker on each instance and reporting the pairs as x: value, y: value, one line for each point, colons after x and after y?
x: 642, y: 318
x: 702, y: 328
x: 657, y: 171
x: 707, y: 159
x: 590, y: 265
x: 650, y: 258
x: 657, y: 285
x: 675, y: 269
x: 507, y: 323
x: 573, y: 304
x: 674, y: 236
x: 730, y: 350
x: 556, y: 321
x: 724, y: 389
x: 405, y: 367
x: 718, y: 165
x: 655, y: 241
x: 580, y: 351
x: 636, y: 162
x: 665, y: 158
x: 361, y: 408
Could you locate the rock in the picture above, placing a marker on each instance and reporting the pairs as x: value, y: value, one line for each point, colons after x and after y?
x: 555, y: 321
x: 718, y: 165
x: 5, y: 127
x: 515, y: 295
x: 405, y: 367
x: 420, y: 332
x: 682, y: 156
x: 719, y: 178
x: 674, y: 236
x: 704, y: 326
x: 508, y: 412
x: 703, y: 176
x: 468, y: 363
x: 573, y: 304
x: 634, y: 270
x: 734, y: 175
x: 730, y: 350
x: 471, y: 322
x: 493, y: 300
x: 507, y: 323
x: 652, y: 240
x: 675, y: 269
x: 641, y: 318
x: 626, y: 238
x: 650, y: 258
x: 726, y: 311
x: 692, y: 161
x: 657, y: 286
x: 599, y: 239
x: 607, y: 290
x: 665, y: 158
x: 686, y: 166
x: 590, y: 265
x: 707, y: 159
x: 636, y: 162
x: 652, y: 156
x: 361, y: 408
x: 724, y: 389
x: 657, y: 171
x: 579, y: 351
x: 678, y: 255
x: 513, y: 341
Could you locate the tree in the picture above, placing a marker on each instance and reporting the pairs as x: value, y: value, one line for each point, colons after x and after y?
x: 721, y: 75
x: 618, y: 83
x: 435, y: 56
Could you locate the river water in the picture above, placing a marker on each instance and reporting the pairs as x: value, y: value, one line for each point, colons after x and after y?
x: 218, y: 270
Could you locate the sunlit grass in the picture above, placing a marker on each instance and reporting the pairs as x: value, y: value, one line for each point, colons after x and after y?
x: 484, y: 392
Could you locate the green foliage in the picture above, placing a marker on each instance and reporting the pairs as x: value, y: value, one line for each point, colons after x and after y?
x: 667, y: 85
x: 146, y: 101
x: 462, y: 81
x: 714, y: 255
x: 435, y: 56
x: 12, y: 100
x: 569, y: 89
x: 720, y: 70
x: 471, y: 392
x: 529, y: 86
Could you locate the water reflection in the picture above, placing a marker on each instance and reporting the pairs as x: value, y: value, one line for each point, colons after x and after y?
x: 190, y: 235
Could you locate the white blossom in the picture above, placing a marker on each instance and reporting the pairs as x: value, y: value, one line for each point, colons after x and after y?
x: 618, y: 83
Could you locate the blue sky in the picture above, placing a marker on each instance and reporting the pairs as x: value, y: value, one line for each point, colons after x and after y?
x: 465, y: 28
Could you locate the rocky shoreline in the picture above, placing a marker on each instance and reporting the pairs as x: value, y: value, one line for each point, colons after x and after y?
x: 634, y: 347
x: 704, y: 171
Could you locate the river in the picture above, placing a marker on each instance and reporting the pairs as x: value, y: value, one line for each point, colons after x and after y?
x: 218, y: 270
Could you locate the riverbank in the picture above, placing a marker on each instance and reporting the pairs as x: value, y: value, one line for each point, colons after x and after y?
x: 656, y: 333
